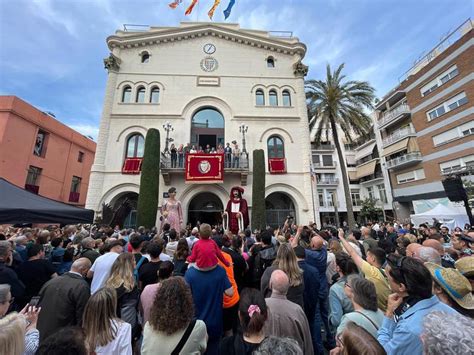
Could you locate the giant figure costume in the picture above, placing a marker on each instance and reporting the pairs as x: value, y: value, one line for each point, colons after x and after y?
x: 237, y: 205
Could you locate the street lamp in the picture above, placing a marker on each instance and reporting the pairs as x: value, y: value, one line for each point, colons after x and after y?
x: 243, y: 128
x: 167, y: 127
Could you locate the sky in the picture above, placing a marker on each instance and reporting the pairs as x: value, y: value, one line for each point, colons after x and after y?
x: 51, y: 51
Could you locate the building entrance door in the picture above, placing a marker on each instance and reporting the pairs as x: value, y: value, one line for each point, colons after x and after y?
x: 278, y: 207
x: 205, y: 208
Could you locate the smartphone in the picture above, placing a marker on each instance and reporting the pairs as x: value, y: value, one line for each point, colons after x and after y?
x: 34, y: 301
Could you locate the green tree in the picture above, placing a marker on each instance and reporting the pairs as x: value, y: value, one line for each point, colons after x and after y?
x: 258, y: 190
x: 149, y: 180
x: 338, y: 105
x: 369, y: 209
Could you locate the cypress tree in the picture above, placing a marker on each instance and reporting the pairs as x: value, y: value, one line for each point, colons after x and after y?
x: 258, y: 190
x: 149, y: 180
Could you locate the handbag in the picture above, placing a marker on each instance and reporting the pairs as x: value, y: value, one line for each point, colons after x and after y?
x: 184, y: 338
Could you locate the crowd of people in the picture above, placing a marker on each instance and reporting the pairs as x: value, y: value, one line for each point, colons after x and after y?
x: 380, y: 289
x: 231, y: 154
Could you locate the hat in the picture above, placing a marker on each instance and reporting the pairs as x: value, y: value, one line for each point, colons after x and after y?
x: 465, y: 266
x: 234, y: 142
x: 456, y: 286
x: 299, y: 251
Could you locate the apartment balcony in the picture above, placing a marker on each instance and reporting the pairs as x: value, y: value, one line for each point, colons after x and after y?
x: 320, y: 166
x: 371, y: 178
x: 328, y: 182
x: 323, y: 147
x: 467, y: 169
x: 398, y: 135
x: 404, y: 160
x: 393, y: 116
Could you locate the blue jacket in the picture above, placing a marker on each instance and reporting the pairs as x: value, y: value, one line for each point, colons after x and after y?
x: 318, y: 259
x: 403, y: 337
x: 339, y: 303
x: 311, y: 289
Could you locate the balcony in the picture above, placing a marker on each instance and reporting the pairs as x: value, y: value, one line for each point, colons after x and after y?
x: 370, y: 178
x: 467, y: 169
x: 323, y: 147
x: 325, y: 166
x: 74, y: 196
x: 404, y: 160
x: 398, y: 135
x: 328, y: 182
x: 393, y: 116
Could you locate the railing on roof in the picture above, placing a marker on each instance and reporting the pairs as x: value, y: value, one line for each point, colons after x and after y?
x: 450, y: 39
x: 283, y: 34
x: 128, y: 27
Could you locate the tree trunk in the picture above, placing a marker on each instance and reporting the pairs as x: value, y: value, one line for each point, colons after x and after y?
x: 258, y: 190
x: 345, y: 179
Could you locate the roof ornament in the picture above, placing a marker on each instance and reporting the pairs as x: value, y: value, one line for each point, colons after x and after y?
x: 300, y: 69
x: 112, y: 62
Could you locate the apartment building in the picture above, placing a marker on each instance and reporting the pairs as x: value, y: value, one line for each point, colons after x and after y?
x: 42, y: 155
x: 425, y: 124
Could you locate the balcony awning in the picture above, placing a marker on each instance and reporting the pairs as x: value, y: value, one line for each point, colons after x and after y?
x: 366, y: 169
x: 362, y: 153
x: 352, y: 175
x: 408, y: 143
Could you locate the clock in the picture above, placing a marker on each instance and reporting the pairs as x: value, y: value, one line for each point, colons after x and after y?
x: 209, y: 48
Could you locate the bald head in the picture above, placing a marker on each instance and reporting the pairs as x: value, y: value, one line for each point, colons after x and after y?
x: 317, y: 242
x: 412, y: 249
x: 365, y: 232
x: 433, y: 243
x: 81, y: 265
x: 279, y: 282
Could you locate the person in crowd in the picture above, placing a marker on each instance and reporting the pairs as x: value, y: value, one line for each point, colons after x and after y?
x: 368, y: 241
x: 452, y: 288
x: 148, y: 294
x: 66, y: 264
x: 172, y: 245
x: 7, y: 274
x: 123, y: 281
x: 446, y: 259
x: 466, y: 268
x: 171, y: 328
x: 35, y: 272
x: 372, y: 269
x: 447, y: 334
x: 355, y: 340
x: 205, y: 252
x: 413, y: 249
x: 412, y: 299
x: 262, y: 256
x: 235, y: 155
x: 463, y: 244
x: 136, y: 242
x: 18, y: 333
x: 174, y: 155
x: 100, y: 270
x: 429, y: 255
x: 252, y: 315
x: 57, y: 253
x: 276, y: 345
x: 148, y: 272
x: 339, y: 302
x: 193, y: 238
x: 88, y: 249
x: 180, y: 156
x: 63, y: 299
x: 233, y: 246
x: 6, y: 299
x: 363, y: 296
x: 208, y: 288
x: 68, y: 340
x: 228, y: 155
x: 286, y: 318
x: 20, y: 247
x: 106, y: 333
x: 287, y: 262
x: 311, y: 292
x: 179, y: 258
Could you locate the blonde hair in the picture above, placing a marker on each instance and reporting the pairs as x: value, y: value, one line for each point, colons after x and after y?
x: 412, y: 238
x: 287, y: 262
x: 12, y: 334
x: 122, y: 272
x: 99, y: 313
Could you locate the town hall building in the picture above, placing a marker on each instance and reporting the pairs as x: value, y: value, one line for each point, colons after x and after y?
x: 206, y: 84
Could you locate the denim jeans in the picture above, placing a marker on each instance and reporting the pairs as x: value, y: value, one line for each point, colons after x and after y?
x: 235, y: 162
x: 322, y: 319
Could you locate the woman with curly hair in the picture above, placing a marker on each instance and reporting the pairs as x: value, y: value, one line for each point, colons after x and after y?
x: 105, y: 332
x: 287, y: 262
x: 123, y: 281
x: 179, y: 260
x: 171, y: 328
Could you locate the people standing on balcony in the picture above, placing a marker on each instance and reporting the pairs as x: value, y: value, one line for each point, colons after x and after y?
x: 213, y: 151
x: 200, y: 150
x: 208, y: 149
x: 181, y: 152
x: 227, y: 155
x: 193, y: 150
x: 172, y: 208
x: 174, y: 156
x: 235, y: 155
x: 220, y: 149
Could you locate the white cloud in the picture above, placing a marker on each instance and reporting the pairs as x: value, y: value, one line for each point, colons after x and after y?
x: 86, y: 130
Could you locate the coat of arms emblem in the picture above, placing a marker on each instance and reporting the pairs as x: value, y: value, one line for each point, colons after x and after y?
x: 204, y: 167
x: 209, y: 64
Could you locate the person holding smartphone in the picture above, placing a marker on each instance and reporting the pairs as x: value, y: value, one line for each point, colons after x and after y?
x: 7, y: 274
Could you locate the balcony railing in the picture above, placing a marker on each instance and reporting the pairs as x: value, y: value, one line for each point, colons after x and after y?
x: 324, y: 166
x: 333, y: 181
x: 377, y: 175
x: 404, y: 160
x: 242, y: 164
x: 398, y: 135
x: 393, y: 115
x: 467, y: 169
x: 323, y: 147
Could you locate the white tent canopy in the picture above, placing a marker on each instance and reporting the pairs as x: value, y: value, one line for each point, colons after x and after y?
x: 450, y: 216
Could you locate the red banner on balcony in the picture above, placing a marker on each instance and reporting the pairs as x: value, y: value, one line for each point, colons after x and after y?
x: 204, y: 168
x: 132, y: 166
x: 277, y: 165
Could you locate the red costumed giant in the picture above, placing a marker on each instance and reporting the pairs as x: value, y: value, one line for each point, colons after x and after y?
x: 237, y: 207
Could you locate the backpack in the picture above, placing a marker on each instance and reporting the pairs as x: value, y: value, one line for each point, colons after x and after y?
x: 263, y: 259
x: 139, y: 264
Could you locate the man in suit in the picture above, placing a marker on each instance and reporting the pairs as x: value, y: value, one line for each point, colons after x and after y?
x: 63, y: 299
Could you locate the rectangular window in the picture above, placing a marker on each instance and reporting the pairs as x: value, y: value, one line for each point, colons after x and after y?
x: 316, y: 160
x: 321, y: 198
x: 76, y: 184
x: 331, y: 198
x: 370, y: 192
x: 80, y: 157
x: 382, y: 193
x: 454, y: 133
x: 32, y: 179
x: 40, y: 144
x: 327, y: 160
x: 447, y: 106
x: 411, y: 176
x: 456, y: 164
x: 355, y: 196
x: 440, y: 80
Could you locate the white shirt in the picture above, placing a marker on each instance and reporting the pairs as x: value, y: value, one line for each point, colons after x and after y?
x: 191, y: 240
x: 235, y: 207
x: 165, y: 257
x: 122, y: 344
x: 101, y: 268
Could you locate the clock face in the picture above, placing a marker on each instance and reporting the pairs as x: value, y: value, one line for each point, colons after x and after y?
x: 209, y: 48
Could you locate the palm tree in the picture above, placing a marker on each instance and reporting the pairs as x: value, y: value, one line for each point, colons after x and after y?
x: 336, y: 106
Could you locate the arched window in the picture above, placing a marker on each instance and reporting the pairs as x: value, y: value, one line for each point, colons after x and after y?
x: 270, y: 62
x: 155, y: 95
x: 127, y: 94
x: 260, y: 97
x: 145, y: 57
x: 273, y: 98
x: 286, y: 98
x: 140, y: 95
x: 276, y: 148
x: 135, y: 146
